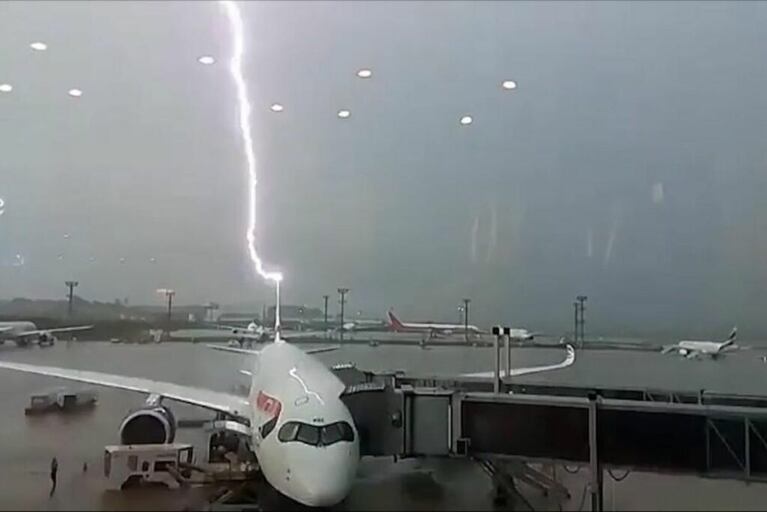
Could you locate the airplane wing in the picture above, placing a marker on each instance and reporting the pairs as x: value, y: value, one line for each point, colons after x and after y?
x: 516, y: 372
x: 58, y: 329
x: 247, y: 335
x: 236, y: 350
x: 669, y: 348
x: 230, y: 327
x: 5, y: 329
x: 214, y: 400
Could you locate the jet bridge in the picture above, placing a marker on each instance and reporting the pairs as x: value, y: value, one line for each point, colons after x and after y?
x: 664, y: 431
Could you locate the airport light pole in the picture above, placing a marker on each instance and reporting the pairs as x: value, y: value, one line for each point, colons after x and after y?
x: 325, y: 298
x: 342, y: 292
x: 466, y: 318
x: 71, y: 285
x: 169, y: 294
x: 575, y: 323
x: 581, y: 299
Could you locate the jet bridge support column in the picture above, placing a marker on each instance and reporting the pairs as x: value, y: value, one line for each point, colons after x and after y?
x: 507, y: 343
x: 497, y: 332
x: 594, y: 464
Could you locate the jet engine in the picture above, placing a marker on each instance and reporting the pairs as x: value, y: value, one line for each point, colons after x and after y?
x: 152, y: 424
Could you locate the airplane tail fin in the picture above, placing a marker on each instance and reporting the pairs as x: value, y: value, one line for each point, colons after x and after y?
x: 394, y: 321
x: 732, y: 337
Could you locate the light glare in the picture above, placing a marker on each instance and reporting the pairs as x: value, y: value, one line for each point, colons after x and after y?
x: 75, y: 93
x: 509, y: 85
x: 466, y: 120
x: 206, y: 60
x: 6, y: 87
x: 276, y: 107
x: 344, y: 114
x: 39, y: 46
x: 364, y: 73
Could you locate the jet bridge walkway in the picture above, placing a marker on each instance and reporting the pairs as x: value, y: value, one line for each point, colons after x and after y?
x: 663, y: 431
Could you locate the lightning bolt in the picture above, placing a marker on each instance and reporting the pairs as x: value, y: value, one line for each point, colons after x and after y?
x: 235, y: 66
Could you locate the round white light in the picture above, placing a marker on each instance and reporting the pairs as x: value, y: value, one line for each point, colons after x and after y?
x: 364, y: 73
x: 466, y: 120
x: 39, y: 46
x: 6, y: 87
x: 75, y: 93
x: 509, y: 85
x: 206, y: 59
x: 276, y: 107
x: 344, y: 114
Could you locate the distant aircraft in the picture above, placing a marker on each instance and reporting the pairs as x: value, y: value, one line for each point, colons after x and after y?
x: 712, y: 349
x: 253, y: 332
x: 22, y: 332
x: 432, y: 328
x: 522, y: 334
x: 363, y: 326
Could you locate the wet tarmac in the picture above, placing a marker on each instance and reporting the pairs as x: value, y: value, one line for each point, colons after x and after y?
x: 28, y: 443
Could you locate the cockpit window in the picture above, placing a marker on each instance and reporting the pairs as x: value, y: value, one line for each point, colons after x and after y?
x: 308, y: 434
x: 267, y: 427
x: 335, y: 432
x: 315, y: 435
x: 288, y: 432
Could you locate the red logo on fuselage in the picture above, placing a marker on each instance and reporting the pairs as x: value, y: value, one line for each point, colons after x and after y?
x: 268, y: 404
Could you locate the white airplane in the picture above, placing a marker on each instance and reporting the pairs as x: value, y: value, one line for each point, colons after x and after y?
x: 300, y: 430
x: 432, y: 328
x: 253, y: 332
x: 22, y: 332
x: 712, y: 349
x: 522, y: 334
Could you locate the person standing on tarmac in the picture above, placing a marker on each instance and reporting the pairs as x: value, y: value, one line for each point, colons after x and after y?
x: 54, y: 470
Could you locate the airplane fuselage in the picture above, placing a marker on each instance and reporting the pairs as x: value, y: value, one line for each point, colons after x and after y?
x: 521, y: 334
x: 303, y: 434
x: 15, y: 328
x: 705, y: 347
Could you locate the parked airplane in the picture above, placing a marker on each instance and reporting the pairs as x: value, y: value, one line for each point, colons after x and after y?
x: 522, y: 334
x: 712, y: 349
x: 363, y: 326
x: 252, y: 333
x: 23, y: 332
x: 255, y: 333
x: 294, y: 419
x: 432, y: 328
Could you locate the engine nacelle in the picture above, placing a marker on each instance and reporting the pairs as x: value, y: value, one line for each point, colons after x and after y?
x: 148, y: 425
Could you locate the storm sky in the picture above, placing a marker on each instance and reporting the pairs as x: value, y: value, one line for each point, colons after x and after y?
x: 628, y: 165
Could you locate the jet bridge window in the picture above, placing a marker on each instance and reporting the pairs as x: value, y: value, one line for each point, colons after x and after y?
x: 314, y: 435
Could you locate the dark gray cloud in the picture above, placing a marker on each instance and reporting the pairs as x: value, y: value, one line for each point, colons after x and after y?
x: 552, y: 191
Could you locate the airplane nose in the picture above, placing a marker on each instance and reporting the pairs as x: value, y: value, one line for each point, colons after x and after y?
x: 327, y: 491
x: 328, y: 484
